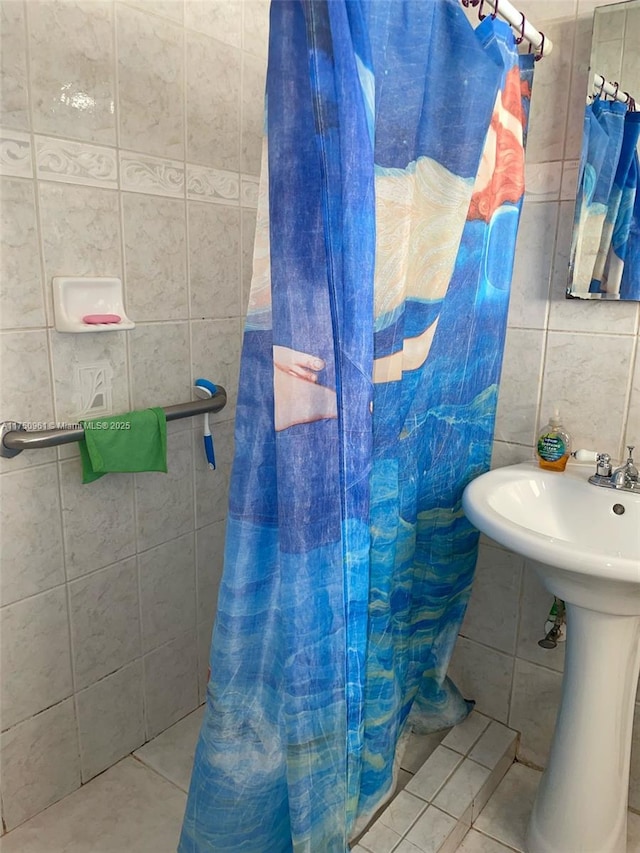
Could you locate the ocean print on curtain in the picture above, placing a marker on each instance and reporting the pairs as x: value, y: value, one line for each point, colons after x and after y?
x: 373, y: 344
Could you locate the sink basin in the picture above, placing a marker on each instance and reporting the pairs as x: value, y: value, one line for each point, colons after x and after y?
x: 584, y: 542
x: 562, y: 519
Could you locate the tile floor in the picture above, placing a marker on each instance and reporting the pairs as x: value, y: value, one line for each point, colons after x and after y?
x: 137, y: 805
x: 134, y: 807
x: 438, y: 804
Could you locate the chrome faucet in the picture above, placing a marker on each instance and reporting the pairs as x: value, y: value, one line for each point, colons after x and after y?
x: 625, y: 478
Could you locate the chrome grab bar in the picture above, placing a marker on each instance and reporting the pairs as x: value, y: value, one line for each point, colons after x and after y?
x: 14, y: 437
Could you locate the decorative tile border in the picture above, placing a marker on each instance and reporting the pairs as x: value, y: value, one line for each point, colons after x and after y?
x: 15, y: 154
x: 249, y: 191
x: 206, y: 184
x: 141, y: 173
x: 76, y: 162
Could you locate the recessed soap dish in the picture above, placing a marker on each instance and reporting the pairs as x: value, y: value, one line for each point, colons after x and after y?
x: 79, y: 302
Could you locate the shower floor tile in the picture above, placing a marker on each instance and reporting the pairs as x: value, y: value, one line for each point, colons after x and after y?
x: 137, y: 807
x: 475, y: 842
x: 506, y: 816
x: 453, y: 789
x: 127, y: 808
x: 171, y: 753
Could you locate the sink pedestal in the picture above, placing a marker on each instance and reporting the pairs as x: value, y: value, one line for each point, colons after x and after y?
x: 584, y: 543
x: 581, y: 805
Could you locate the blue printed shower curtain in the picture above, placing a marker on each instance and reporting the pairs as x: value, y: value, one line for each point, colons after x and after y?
x: 605, y: 254
x: 389, y: 202
x: 617, y: 267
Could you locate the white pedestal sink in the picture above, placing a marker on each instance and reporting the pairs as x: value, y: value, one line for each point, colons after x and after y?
x: 588, y: 553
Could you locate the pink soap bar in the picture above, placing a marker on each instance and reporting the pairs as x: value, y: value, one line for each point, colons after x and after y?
x: 94, y: 319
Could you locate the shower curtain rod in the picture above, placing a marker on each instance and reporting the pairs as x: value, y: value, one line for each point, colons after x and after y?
x: 517, y: 19
x: 613, y: 90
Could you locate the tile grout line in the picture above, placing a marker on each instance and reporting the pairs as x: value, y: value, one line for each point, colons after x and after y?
x: 152, y: 769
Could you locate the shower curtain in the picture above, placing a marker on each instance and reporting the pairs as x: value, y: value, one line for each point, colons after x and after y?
x: 387, y: 218
x: 630, y: 283
x: 603, y: 130
x: 617, y: 234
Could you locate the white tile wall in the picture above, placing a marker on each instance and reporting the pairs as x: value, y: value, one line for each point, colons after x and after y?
x: 72, y: 69
x: 14, y: 109
x: 167, y: 591
x: 582, y: 354
x: 213, y: 259
x: 105, y: 621
x: 19, y: 251
x: 30, y: 511
x: 492, y: 615
x: 110, y: 719
x: 36, y: 657
x: 150, y: 83
x: 129, y: 146
x: 483, y: 674
x: 170, y: 683
x: 155, y: 257
x: 210, y: 552
x: 213, y: 102
x: 40, y: 762
x: 534, y: 707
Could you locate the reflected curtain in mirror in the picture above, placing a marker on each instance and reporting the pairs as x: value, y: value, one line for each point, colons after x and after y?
x: 605, y: 249
x: 603, y: 234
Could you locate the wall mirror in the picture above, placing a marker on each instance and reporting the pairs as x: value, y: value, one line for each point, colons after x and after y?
x: 605, y: 248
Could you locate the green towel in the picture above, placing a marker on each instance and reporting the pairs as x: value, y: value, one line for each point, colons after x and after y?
x: 135, y: 441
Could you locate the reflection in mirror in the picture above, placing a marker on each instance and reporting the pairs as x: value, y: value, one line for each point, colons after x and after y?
x: 605, y: 249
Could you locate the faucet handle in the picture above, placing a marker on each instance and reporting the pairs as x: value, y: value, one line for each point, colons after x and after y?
x: 630, y: 448
x: 602, y: 460
x: 585, y: 455
x: 603, y: 465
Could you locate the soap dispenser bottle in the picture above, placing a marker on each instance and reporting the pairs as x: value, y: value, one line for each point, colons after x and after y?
x: 554, y: 444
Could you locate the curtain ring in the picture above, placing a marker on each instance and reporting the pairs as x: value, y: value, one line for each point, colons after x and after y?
x: 481, y: 17
x: 494, y: 14
x: 465, y: 3
x: 539, y: 56
x: 601, y: 94
x: 614, y: 97
x: 631, y: 104
x: 524, y: 21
